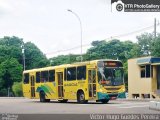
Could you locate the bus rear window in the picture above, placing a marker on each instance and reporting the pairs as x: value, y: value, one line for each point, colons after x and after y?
x: 26, y: 78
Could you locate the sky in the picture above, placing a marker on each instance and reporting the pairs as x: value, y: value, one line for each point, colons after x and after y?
x: 49, y: 25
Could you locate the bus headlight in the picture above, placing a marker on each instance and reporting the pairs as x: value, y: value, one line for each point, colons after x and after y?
x: 123, y: 89
x: 100, y: 90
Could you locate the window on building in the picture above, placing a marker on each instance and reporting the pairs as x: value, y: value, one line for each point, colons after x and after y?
x: 71, y: 73
x: 143, y: 71
x: 38, y: 77
x: 81, y: 73
x: 44, y: 76
x: 26, y: 78
x: 146, y: 71
x: 51, y: 75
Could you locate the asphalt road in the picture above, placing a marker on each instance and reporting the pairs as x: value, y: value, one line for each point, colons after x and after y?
x: 30, y: 106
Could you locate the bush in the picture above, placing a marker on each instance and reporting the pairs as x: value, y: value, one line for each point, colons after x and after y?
x: 17, y: 89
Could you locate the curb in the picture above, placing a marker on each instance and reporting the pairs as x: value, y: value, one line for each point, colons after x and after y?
x: 154, y: 105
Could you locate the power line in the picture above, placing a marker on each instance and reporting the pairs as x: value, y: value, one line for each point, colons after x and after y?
x: 112, y: 37
x: 65, y: 50
x: 130, y: 33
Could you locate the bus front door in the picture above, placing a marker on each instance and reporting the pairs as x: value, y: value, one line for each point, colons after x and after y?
x: 32, y: 86
x: 60, y: 85
x: 92, y: 83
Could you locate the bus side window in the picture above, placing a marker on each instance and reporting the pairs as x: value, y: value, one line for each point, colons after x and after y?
x: 44, y: 76
x: 51, y: 75
x: 81, y: 73
x: 38, y: 77
x: 26, y: 78
x: 71, y: 73
x: 65, y: 74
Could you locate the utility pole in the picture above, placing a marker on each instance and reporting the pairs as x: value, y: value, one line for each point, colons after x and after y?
x: 155, y: 27
x: 23, y: 53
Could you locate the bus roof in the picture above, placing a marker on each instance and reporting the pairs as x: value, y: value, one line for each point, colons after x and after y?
x: 69, y: 65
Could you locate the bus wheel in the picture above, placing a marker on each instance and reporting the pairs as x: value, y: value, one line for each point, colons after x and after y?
x: 63, y: 101
x: 47, y: 100
x: 42, y: 96
x: 104, y: 101
x: 81, y: 97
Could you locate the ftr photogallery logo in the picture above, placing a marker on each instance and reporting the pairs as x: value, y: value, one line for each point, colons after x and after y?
x: 135, y: 5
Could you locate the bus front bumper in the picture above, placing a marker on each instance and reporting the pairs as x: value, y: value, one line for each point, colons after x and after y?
x: 113, y: 96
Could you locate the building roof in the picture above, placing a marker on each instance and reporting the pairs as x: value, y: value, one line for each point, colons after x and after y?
x: 148, y: 60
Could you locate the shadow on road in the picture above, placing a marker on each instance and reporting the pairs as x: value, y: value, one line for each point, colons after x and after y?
x: 74, y: 102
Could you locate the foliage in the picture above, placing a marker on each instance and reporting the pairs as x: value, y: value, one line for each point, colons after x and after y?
x: 34, y: 57
x: 63, y: 59
x: 145, y: 41
x: 155, y: 47
x: 11, y: 60
x: 11, y: 41
x: 10, y: 71
x: 17, y: 89
x: 114, y: 49
x: 10, y: 47
x: 125, y: 65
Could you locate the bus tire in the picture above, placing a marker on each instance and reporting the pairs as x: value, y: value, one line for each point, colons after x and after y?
x: 104, y: 101
x: 63, y: 101
x: 81, y: 97
x: 47, y: 100
x: 42, y: 96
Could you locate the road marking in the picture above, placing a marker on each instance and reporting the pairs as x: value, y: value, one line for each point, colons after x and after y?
x: 134, y: 106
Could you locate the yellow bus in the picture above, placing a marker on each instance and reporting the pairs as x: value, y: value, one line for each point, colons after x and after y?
x: 99, y: 80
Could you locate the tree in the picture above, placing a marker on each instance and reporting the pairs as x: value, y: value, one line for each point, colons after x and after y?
x: 145, y: 41
x: 10, y: 72
x: 10, y: 47
x: 11, y: 41
x: 34, y: 57
x: 63, y: 59
x: 98, y: 42
x: 135, y: 51
x: 11, y: 61
x: 113, y: 49
x: 97, y: 51
x: 155, y: 47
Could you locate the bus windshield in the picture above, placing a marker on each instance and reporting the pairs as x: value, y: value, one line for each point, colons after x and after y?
x: 110, y: 76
